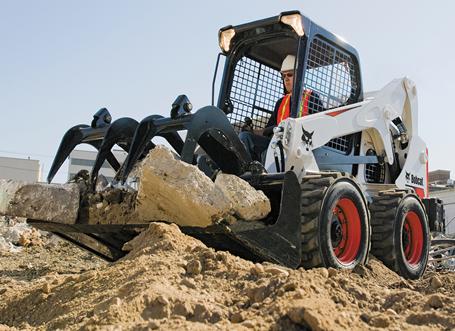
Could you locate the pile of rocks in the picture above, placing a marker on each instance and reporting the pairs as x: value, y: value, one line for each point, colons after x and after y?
x: 169, y: 190
x: 16, y: 233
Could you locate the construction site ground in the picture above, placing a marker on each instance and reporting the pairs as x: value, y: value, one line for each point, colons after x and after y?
x: 170, y: 281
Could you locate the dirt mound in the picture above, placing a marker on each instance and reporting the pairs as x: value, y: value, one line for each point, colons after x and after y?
x: 173, y: 281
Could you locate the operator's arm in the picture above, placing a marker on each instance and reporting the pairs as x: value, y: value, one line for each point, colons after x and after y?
x: 268, y: 130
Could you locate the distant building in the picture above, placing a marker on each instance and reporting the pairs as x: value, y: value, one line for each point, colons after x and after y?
x: 80, y: 160
x: 439, y: 177
x: 19, y: 169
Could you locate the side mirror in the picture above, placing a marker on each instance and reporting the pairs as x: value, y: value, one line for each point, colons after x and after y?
x: 181, y: 106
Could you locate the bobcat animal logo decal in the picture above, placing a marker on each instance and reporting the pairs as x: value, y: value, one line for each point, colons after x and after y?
x: 307, y: 138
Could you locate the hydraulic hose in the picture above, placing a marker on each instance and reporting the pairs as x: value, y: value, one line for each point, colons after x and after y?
x: 280, y: 146
x: 277, y: 162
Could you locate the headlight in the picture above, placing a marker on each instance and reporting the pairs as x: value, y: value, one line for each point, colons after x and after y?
x: 295, y: 21
x: 225, y: 39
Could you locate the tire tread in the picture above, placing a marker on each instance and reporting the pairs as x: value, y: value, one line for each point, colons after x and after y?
x: 314, y: 188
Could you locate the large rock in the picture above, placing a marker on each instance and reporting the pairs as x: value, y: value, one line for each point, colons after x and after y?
x: 47, y: 202
x: 247, y: 203
x: 174, y: 191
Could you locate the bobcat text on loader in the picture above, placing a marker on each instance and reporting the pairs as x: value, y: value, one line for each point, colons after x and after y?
x: 347, y: 178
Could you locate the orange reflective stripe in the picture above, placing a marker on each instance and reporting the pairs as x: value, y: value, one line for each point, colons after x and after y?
x: 303, y: 111
x: 305, y: 101
x: 283, y: 111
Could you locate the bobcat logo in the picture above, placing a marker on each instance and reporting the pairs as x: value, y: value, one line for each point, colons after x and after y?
x: 413, y: 179
x: 408, y: 176
x: 307, y: 138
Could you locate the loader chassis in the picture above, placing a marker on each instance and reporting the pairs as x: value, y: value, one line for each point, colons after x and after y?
x: 350, y: 174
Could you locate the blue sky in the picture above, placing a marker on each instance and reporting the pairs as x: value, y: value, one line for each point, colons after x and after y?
x: 60, y: 61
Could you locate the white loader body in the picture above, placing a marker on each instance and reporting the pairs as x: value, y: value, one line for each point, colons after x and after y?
x: 373, y: 117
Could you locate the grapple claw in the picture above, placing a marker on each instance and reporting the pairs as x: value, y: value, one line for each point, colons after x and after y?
x: 120, y: 132
x: 141, y: 144
x: 71, y: 139
x: 83, y: 133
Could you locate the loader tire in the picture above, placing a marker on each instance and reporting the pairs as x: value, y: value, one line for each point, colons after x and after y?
x: 400, y: 232
x: 335, y: 222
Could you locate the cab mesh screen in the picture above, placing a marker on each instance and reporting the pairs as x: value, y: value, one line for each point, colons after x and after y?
x: 330, y: 76
x: 254, y: 92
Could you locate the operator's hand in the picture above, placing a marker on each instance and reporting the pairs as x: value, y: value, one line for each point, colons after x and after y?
x: 268, y: 131
x: 248, y: 125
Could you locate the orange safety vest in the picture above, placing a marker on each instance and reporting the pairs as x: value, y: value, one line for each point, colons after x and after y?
x: 284, y: 109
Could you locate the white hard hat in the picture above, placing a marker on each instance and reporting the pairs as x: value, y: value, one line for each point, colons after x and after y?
x: 288, y: 63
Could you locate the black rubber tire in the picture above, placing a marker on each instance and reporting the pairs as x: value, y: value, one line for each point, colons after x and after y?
x: 320, y: 195
x: 388, y: 218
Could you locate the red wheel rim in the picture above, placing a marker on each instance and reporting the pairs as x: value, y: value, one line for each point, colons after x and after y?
x: 348, y: 231
x: 412, y: 238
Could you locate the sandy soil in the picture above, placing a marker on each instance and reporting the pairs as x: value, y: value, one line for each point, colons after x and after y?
x: 170, y: 281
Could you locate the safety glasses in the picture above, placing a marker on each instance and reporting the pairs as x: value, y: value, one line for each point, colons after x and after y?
x: 287, y: 75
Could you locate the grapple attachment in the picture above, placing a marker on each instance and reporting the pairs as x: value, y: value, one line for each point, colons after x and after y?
x: 275, y: 238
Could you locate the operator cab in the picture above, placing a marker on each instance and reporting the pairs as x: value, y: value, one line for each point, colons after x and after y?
x: 252, y: 82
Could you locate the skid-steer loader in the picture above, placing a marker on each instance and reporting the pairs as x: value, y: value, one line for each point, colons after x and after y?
x: 347, y: 178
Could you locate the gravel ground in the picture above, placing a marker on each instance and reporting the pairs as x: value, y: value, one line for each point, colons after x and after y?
x: 172, y: 281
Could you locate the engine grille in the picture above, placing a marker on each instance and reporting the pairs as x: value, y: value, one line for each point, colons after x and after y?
x: 374, y: 172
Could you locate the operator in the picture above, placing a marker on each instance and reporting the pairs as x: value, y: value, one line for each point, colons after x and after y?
x: 256, y: 141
